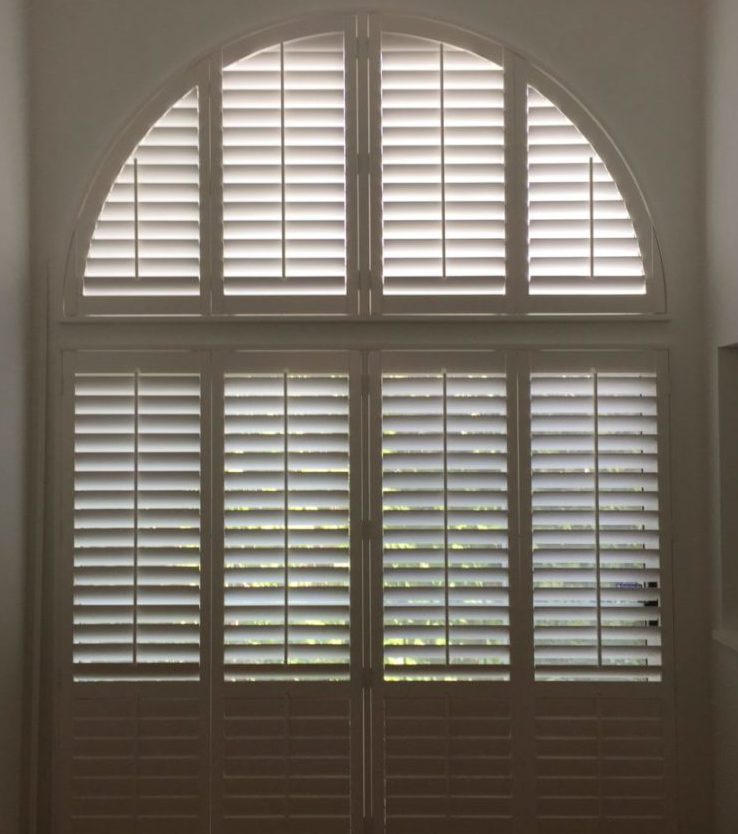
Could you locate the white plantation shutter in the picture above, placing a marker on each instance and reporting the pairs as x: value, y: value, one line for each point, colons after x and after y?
x: 136, y: 571
x: 581, y: 239
x: 445, y: 525
x: 284, y: 170
x: 371, y: 171
x: 146, y: 242
x: 442, y: 146
x: 426, y: 646
x: 286, y: 556
x: 595, y: 506
x: 316, y: 591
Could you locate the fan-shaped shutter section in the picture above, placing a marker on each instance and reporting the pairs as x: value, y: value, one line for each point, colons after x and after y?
x: 284, y: 170
x: 286, y: 526
x: 443, y: 200
x: 595, y: 508
x: 580, y: 233
x: 445, y: 527
x: 146, y: 240
x: 136, y: 566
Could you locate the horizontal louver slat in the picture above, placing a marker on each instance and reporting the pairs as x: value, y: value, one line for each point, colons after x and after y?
x: 595, y: 525
x: 602, y: 764
x: 445, y: 532
x: 286, y: 764
x: 136, y: 524
x: 448, y: 764
x: 284, y: 170
x: 443, y: 205
x: 286, y: 555
x: 580, y: 234
x: 136, y: 760
x: 146, y: 240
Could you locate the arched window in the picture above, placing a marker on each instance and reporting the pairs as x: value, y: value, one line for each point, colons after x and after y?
x: 448, y: 178
x: 337, y: 575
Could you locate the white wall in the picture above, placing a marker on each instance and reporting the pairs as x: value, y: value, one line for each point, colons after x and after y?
x: 14, y: 159
x: 722, y: 272
x: 637, y: 64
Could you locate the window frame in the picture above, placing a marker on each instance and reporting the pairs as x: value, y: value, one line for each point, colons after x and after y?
x: 219, y: 337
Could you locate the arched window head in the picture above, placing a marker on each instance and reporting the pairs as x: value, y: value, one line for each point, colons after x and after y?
x: 407, y: 169
x: 146, y: 241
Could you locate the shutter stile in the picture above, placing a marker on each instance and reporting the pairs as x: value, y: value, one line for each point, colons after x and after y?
x: 136, y: 567
x: 284, y: 170
x: 442, y: 135
x: 287, y: 526
x: 146, y: 242
x: 595, y: 525
x: 444, y: 492
x: 581, y: 237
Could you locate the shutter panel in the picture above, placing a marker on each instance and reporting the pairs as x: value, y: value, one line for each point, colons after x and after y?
x: 284, y: 170
x: 602, y: 764
x: 287, y: 763
x: 580, y: 234
x: 146, y: 241
x: 448, y: 764
x: 595, y: 508
x: 137, y: 760
x: 442, y: 144
x: 286, y: 557
x: 136, y: 569
x: 444, y: 505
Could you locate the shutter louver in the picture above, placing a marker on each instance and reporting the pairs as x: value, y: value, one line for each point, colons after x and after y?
x: 136, y: 525
x: 595, y: 525
x: 443, y: 200
x: 284, y: 170
x: 287, y: 764
x: 286, y: 526
x: 137, y: 760
x: 444, y: 488
x: 448, y: 764
x: 601, y: 764
x: 581, y: 237
x: 146, y: 242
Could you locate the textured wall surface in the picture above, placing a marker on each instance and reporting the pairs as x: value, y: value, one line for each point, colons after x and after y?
x: 722, y: 271
x: 14, y: 158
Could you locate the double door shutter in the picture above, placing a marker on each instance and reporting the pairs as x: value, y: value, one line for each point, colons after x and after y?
x: 343, y: 592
